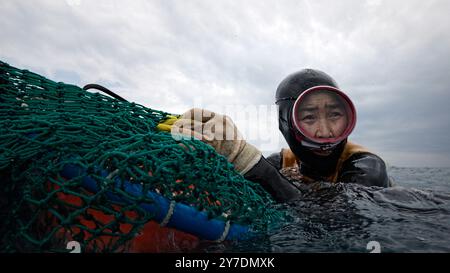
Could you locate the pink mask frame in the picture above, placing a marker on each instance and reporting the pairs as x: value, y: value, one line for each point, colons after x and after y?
x: 323, y: 143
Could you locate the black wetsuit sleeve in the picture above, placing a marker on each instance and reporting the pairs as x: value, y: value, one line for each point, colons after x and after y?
x: 272, y: 181
x: 366, y: 169
x: 275, y: 160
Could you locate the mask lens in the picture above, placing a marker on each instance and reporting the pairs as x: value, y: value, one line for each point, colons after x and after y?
x: 324, y: 115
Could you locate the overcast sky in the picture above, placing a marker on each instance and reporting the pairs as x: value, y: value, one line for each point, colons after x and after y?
x: 391, y: 57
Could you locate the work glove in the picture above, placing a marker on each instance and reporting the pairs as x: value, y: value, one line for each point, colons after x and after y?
x: 221, y: 133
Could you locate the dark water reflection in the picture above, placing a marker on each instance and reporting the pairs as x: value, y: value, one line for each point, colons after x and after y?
x: 413, y: 216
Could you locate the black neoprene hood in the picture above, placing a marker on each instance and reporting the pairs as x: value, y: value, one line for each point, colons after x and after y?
x: 293, y: 85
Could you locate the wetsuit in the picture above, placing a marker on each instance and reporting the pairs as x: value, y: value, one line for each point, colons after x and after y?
x: 355, y: 165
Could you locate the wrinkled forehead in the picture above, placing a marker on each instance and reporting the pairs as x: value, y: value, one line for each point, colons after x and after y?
x: 321, y: 98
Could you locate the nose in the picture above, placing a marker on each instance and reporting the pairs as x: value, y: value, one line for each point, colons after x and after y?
x: 323, y: 129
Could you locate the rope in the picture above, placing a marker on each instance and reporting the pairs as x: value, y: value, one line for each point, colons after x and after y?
x: 169, y: 214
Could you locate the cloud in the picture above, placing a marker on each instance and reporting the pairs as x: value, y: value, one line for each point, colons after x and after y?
x: 391, y: 57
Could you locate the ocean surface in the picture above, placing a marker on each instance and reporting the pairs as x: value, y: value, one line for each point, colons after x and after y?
x: 412, y: 216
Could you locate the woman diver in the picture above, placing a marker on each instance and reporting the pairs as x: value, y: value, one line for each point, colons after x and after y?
x: 316, y: 118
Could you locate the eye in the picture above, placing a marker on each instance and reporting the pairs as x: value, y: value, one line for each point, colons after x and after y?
x: 335, y: 114
x: 308, y: 118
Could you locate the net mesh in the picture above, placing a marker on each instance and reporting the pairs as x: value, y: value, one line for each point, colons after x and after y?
x: 46, y: 126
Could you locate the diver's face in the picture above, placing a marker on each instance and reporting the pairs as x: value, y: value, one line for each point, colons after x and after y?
x: 322, y: 115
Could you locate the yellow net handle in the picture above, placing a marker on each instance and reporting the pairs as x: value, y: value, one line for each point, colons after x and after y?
x: 167, y: 123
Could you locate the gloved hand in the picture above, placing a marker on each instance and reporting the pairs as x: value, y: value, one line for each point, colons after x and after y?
x: 220, y: 132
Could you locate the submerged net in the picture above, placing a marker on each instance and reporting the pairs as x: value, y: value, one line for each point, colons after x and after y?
x: 46, y: 126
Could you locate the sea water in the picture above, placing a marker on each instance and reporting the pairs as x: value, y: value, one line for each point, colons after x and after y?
x: 412, y: 216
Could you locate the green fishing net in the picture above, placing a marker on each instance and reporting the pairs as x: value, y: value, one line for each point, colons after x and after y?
x: 46, y: 126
